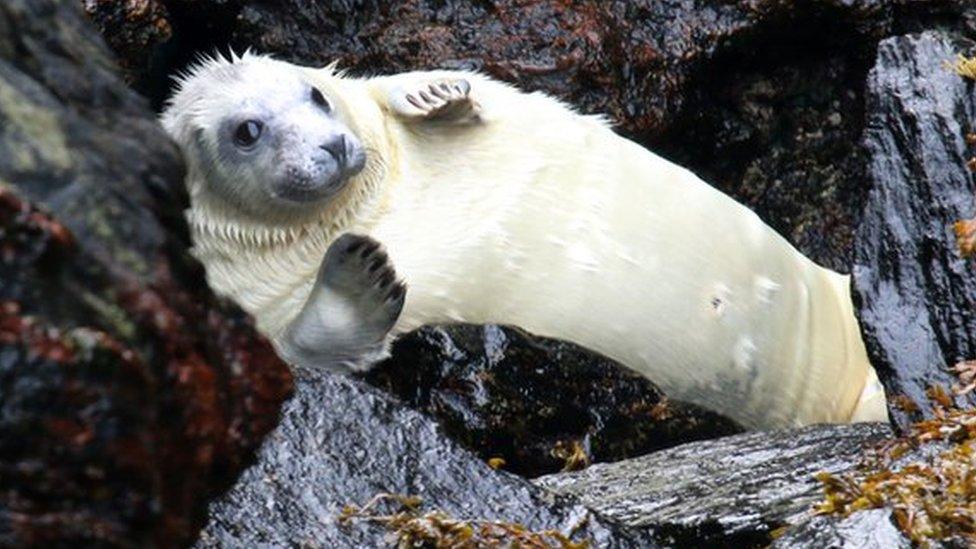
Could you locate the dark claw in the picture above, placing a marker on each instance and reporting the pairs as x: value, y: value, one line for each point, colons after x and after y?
x: 425, y: 96
x: 436, y: 90
x: 464, y: 87
x: 371, y: 247
x: 383, y: 274
x: 386, y: 279
x: 377, y: 262
x: 415, y: 102
x: 397, y: 292
x: 356, y: 245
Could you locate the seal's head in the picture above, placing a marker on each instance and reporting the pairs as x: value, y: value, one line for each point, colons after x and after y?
x: 261, y: 136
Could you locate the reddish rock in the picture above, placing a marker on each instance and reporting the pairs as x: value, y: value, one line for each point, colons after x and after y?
x: 129, y: 395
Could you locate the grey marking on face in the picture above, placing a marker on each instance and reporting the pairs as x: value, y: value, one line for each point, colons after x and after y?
x: 279, y: 140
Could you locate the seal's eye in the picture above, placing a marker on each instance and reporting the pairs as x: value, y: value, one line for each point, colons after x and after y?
x: 320, y: 99
x: 248, y: 133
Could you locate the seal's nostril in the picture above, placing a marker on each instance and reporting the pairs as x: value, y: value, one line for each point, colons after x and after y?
x: 337, y: 148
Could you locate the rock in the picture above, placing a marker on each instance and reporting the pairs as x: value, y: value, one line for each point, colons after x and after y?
x: 134, y: 30
x: 915, y: 295
x: 871, y: 529
x: 505, y: 394
x: 732, y: 491
x: 129, y: 395
x: 341, y: 443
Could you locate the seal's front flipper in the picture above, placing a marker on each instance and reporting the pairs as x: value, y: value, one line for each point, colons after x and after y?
x: 435, y: 100
x: 345, y: 324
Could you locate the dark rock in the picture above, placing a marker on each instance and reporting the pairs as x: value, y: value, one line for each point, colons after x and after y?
x: 341, y: 442
x: 871, y: 529
x: 916, y: 296
x: 732, y: 491
x: 134, y: 30
x: 129, y: 396
x: 634, y: 61
x: 503, y: 393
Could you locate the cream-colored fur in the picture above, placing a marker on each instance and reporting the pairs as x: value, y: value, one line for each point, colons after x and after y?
x: 544, y: 218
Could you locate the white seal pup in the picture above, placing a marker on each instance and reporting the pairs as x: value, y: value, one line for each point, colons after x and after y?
x: 497, y: 206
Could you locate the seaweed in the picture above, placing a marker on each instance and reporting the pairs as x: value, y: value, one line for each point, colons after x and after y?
x: 574, y: 454
x: 966, y: 229
x: 963, y: 66
x: 932, y: 495
x: 413, y: 528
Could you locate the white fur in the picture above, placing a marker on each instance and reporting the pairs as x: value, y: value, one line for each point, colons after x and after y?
x: 544, y: 218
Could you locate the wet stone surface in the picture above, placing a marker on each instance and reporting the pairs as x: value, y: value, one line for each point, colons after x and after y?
x: 731, y: 491
x: 539, y: 405
x: 871, y: 529
x: 916, y: 296
x: 341, y: 442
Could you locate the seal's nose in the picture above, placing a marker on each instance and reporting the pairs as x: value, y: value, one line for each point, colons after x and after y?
x: 337, y: 148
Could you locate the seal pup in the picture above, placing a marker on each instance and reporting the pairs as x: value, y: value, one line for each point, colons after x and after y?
x: 498, y: 206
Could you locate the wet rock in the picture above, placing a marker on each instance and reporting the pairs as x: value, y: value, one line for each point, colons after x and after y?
x: 916, y: 296
x: 134, y: 30
x: 732, y: 491
x: 530, y: 401
x: 921, y: 477
x: 871, y: 529
x: 129, y: 395
x: 341, y: 442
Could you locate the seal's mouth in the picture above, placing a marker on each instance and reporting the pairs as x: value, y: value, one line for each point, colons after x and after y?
x: 302, y: 187
x: 303, y: 194
x: 305, y: 188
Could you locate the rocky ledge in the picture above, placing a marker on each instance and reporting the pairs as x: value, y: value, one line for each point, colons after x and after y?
x: 735, y: 491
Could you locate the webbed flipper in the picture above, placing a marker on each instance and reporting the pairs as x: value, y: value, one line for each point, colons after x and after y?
x: 345, y: 323
x: 436, y: 100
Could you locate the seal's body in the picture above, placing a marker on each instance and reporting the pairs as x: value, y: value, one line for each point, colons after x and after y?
x: 514, y: 209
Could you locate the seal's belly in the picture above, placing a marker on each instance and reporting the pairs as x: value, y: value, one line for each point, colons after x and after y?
x: 712, y: 306
x: 638, y: 259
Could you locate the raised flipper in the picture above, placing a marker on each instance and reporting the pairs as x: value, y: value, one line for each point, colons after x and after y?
x: 345, y: 323
x: 436, y: 100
